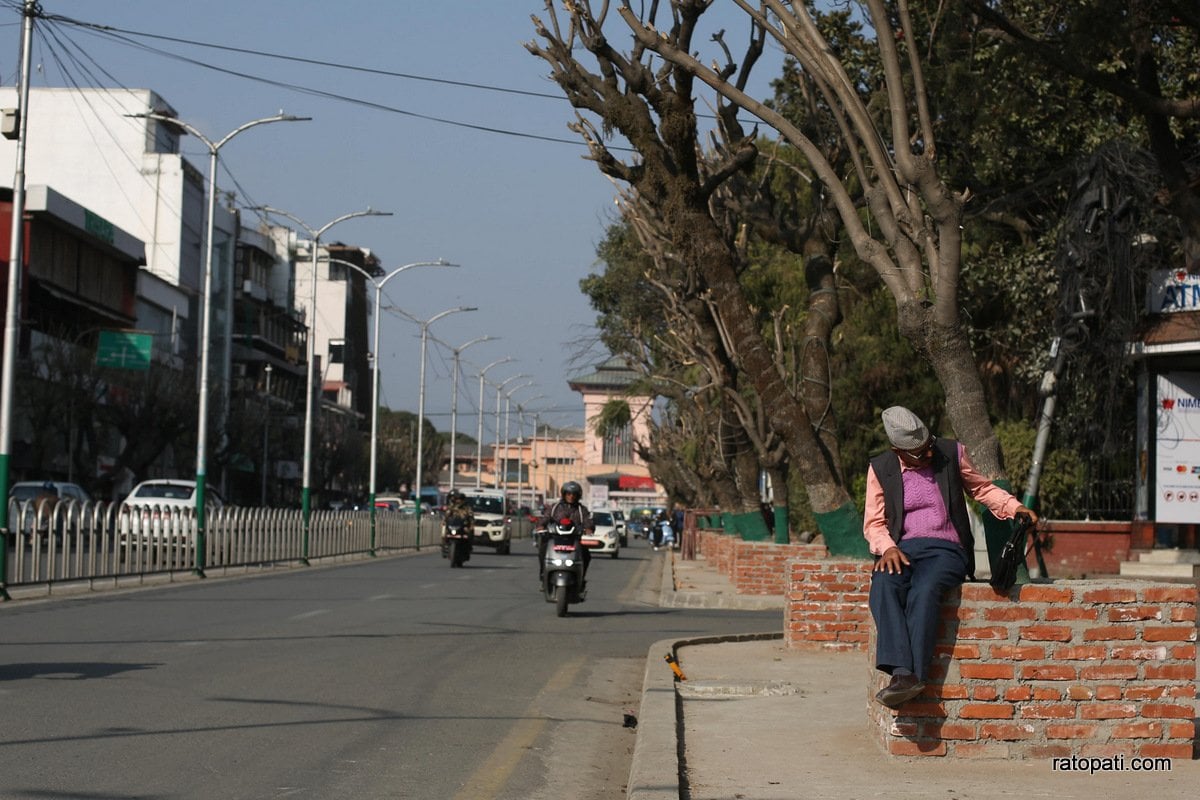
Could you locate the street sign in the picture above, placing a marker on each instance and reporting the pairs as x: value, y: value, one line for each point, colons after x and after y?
x: 124, y: 350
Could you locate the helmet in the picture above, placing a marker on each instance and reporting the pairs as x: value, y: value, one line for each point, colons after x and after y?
x: 571, y: 487
x: 455, y: 495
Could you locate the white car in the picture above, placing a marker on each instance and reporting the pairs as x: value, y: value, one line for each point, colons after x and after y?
x: 605, y: 539
x: 158, y: 508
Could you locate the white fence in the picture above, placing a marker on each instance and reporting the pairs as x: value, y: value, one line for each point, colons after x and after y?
x: 95, y: 542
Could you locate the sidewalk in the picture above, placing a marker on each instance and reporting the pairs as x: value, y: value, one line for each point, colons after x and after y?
x: 754, y: 720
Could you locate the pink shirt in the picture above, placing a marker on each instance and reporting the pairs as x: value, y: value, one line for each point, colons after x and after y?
x: 875, y: 528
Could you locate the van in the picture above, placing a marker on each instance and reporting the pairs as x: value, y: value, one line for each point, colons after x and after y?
x: 492, y: 526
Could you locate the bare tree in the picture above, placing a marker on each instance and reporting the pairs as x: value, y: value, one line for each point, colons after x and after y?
x: 912, y: 238
x: 653, y: 108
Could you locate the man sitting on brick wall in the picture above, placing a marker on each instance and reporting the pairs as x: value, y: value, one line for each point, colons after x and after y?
x: 916, y: 524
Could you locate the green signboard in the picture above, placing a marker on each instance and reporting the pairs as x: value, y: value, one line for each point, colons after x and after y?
x: 124, y: 349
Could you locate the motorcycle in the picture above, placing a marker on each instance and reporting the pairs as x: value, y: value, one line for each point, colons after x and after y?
x: 456, y: 542
x: 562, y: 577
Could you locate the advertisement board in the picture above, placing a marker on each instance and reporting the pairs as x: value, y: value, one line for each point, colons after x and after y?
x: 1177, y: 448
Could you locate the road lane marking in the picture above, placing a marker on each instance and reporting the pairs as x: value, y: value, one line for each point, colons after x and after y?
x: 487, y: 781
x: 309, y: 614
x: 379, y: 597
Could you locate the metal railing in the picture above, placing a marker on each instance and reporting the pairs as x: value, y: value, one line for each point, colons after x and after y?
x: 71, y: 541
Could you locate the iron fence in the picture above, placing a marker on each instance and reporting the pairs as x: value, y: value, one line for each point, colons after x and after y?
x: 72, y: 541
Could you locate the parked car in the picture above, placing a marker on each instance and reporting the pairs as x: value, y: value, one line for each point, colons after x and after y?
x: 32, y: 496
x: 153, y: 509
x: 605, y: 540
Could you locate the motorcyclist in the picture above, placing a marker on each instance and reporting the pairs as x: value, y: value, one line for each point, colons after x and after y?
x: 567, y: 507
x: 457, y: 508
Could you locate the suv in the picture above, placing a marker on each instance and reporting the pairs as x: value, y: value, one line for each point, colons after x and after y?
x: 492, y: 527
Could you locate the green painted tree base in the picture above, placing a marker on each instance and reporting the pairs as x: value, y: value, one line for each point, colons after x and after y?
x: 752, y: 527
x: 843, y: 532
x: 781, y: 525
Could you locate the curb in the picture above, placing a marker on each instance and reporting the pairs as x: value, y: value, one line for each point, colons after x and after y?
x: 670, y: 598
x: 659, y: 766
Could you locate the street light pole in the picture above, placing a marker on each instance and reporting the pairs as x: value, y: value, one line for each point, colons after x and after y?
x: 496, y: 450
x: 379, y: 284
x: 521, y: 450
x: 315, y: 235
x: 454, y: 404
x: 479, y: 421
x: 421, y: 403
x: 214, y: 148
x: 8, y: 371
x: 266, y: 436
x: 507, y: 406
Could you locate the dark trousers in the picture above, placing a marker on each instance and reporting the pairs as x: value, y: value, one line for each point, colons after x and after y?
x: 907, y: 605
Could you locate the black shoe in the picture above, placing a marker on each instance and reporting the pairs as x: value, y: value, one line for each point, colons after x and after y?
x: 901, y: 689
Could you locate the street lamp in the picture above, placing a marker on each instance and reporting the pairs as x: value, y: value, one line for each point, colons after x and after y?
x: 266, y: 435
x: 496, y: 449
x: 507, y: 404
x: 206, y: 298
x: 521, y: 451
x: 421, y: 398
x: 315, y: 235
x: 379, y: 284
x: 454, y: 404
x: 479, y: 420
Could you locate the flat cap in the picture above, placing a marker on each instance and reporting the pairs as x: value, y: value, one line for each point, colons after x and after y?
x: 904, y: 429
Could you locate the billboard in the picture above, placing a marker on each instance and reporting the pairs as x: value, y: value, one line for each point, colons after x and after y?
x: 1177, y: 448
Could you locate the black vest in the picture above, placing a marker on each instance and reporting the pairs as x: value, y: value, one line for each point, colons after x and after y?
x: 949, y: 481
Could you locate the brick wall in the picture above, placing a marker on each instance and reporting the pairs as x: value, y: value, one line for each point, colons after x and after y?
x: 1083, y: 668
x: 758, y: 568
x: 826, y: 604
x: 1085, y: 548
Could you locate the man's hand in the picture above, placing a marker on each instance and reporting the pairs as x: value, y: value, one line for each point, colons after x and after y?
x: 892, y: 561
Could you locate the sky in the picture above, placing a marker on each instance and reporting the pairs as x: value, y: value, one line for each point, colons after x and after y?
x: 470, y: 153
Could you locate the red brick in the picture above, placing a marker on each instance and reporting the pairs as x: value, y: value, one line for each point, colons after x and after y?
x: 1005, y: 732
x: 1184, y: 652
x: 985, y: 694
x: 986, y: 671
x: 1009, y: 652
x: 1108, y: 692
x: 918, y: 709
x: 1070, y: 731
x: 1081, y: 693
x: 1016, y: 694
x: 986, y: 711
x: 1133, y: 613
x: 1071, y: 613
x: 1187, y: 692
x: 1185, y: 614
x: 1180, y: 751
x: 1060, y: 711
x: 1031, y: 593
x: 1169, y: 634
x: 1109, y: 633
x: 1111, y: 596
x: 959, y: 652
x: 1009, y: 614
x: 1170, y: 594
x: 1136, y: 653
x: 990, y: 632
x: 1138, y: 730
x: 1048, y: 672
x: 1164, y: 711
x: 1107, y: 711
x: 1170, y: 672
x: 905, y: 748
x: 948, y: 730
x: 947, y: 691
x: 1181, y: 730
x: 1095, y: 652
x: 981, y: 591
x: 1145, y: 692
x: 1046, y: 633
x: 1114, y: 672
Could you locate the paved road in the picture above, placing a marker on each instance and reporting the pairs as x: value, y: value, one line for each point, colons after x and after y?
x: 397, y: 677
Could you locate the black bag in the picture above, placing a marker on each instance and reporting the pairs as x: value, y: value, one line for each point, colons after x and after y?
x: 1012, y: 556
